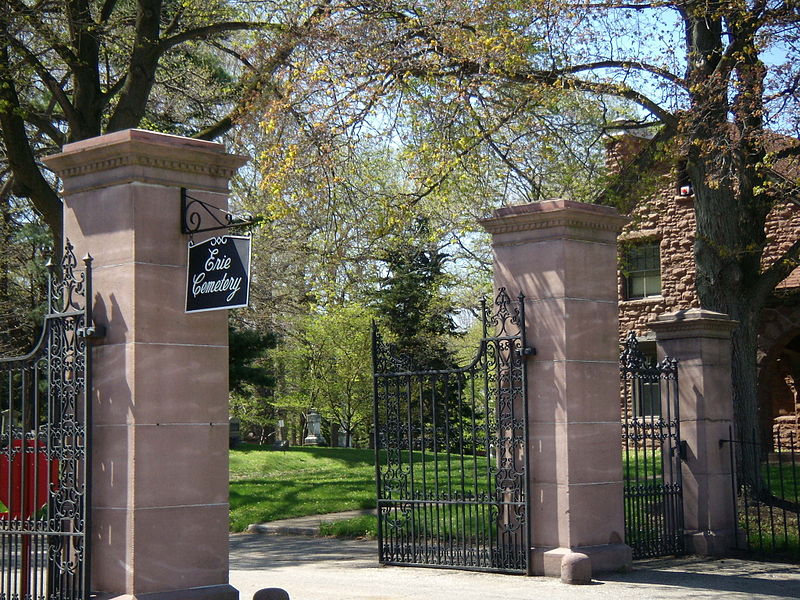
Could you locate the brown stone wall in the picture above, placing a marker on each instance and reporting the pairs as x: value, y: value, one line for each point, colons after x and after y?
x: 786, y: 432
x: 670, y: 220
x: 665, y: 216
x: 783, y: 228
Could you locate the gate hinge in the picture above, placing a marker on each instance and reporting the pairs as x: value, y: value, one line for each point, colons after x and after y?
x: 97, y: 332
x: 683, y: 450
x: 526, y: 351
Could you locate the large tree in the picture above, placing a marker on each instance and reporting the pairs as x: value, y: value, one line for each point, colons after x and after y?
x: 74, y: 69
x: 720, y: 80
x: 412, y: 301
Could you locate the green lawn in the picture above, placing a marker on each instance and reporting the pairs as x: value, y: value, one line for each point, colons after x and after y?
x: 772, y: 529
x: 783, y: 479
x: 267, y: 485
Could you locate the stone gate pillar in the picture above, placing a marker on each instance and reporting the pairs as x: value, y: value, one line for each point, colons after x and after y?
x: 159, y: 517
x: 701, y: 341
x: 563, y: 256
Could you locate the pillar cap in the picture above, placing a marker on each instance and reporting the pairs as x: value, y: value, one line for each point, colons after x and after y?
x: 574, y: 219
x: 693, y: 322
x: 146, y: 157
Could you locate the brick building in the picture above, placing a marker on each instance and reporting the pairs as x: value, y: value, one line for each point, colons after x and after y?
x: 657, y: 276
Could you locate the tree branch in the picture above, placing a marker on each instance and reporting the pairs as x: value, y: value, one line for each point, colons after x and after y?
x: 45, y: 125
x: 87, y: 96
x: 207, y: 31
x: 626, y: 64
x: 624, y: 5
x: 556, y: 79
x: 108, y: 8
x: 39, y: 26
x: 113, y: 90
x: 777, y: 272
x: 487, y: 135
x: 173, y: 24
x: 140, y: 75
x: 28, y: 179
x: 624, y: 182
x: 55, y: 87
x: 292, y: 37
x: 788, y: 152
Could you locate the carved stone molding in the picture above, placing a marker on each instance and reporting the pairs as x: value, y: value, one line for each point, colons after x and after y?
x: 693, y: 323
x: 557, y: 218
x: 146, y: 157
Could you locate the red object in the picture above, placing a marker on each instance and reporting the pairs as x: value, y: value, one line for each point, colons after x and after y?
x: 32, y: 467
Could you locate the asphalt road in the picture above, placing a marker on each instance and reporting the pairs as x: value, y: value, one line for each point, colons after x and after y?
x: 310, y: 568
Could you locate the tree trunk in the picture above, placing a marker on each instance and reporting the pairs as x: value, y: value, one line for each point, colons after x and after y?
x: 728, y: 248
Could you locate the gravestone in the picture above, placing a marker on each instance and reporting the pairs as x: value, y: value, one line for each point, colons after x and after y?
x: 314, y: 424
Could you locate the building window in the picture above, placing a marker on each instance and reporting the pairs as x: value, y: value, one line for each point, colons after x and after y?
x: 642, y: 270
x: 647, y: 391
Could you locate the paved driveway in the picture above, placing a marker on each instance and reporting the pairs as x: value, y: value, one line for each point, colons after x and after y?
x: 328, y: 569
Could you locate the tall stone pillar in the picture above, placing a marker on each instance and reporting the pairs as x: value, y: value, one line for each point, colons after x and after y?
x: 563, y: 256
x: 159, y: 518
x: 701, y: 341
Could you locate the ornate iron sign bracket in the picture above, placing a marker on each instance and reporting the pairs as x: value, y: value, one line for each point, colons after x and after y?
x: 194, y: 212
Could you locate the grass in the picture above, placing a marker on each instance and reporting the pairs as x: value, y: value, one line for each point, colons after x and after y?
x: 773, y: 529
x: 365, y: 526
x: 641, y: 465
x: 267, y: 485
x: 783, y: 480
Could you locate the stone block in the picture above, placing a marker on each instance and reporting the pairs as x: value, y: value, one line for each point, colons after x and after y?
x: 576, y: 569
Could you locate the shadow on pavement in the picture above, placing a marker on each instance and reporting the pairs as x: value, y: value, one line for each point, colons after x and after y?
x: 687, y: 577
x: 254, y: 551
x: 721, y: 575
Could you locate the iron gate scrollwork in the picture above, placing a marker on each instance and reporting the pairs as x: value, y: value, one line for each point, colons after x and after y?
x: 652, y: 453
x: 44, y: 448
x: 451, y: 452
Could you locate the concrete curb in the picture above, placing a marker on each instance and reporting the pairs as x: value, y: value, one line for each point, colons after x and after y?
x: 308, y: 526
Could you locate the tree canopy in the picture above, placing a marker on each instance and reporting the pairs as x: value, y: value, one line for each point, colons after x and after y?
x: 365, y: 115
x: 70, y: 70
x: 466, y: 87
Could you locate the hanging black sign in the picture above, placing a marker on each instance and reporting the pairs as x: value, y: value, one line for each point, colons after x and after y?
x: 218, y: 274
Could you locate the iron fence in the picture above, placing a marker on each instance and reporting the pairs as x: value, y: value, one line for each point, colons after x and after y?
x: 766, y: 496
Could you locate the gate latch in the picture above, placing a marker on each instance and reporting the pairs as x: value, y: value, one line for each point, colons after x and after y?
x: 526, y: 351
x: 96, y: 332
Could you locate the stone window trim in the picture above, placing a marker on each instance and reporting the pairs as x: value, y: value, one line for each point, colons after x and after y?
x: 641, y: 301
x: 641, y: 235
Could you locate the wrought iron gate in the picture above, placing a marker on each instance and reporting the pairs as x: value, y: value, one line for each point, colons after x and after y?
x: 44, y: 449
x: 652, y: 453
x: 451, y: 452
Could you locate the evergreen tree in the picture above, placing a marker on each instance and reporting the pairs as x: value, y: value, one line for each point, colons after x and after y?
x: 247, y: 358
x: 411, y: 303
x: 251, y: 378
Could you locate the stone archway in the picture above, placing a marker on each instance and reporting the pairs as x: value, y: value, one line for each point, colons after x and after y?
x: 779, y: 374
